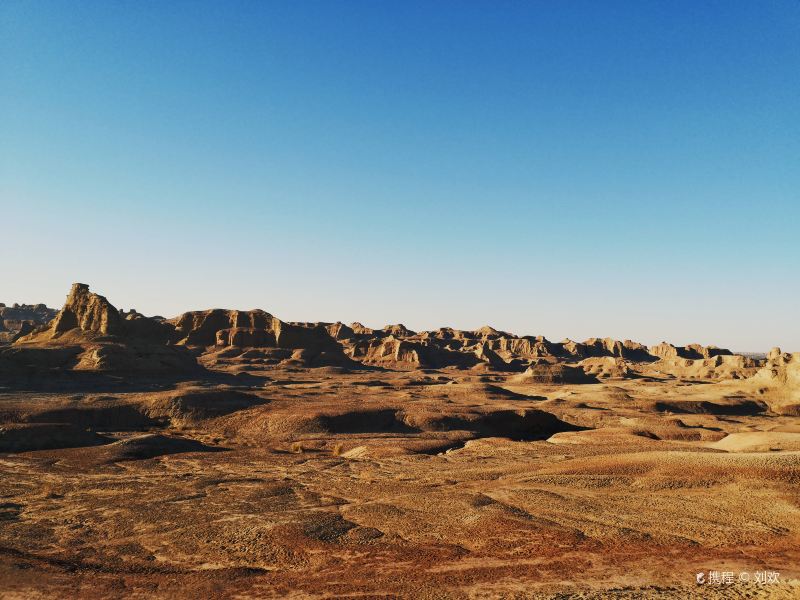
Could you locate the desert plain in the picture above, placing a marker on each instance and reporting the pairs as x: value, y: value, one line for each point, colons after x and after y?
x: 229, y: 454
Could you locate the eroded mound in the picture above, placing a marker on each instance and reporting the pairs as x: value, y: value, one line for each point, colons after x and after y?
x: 554, y: 374
x: 526, y: 424
x: 24, y: 437
x: 150, y: 446
x: 191, y: 406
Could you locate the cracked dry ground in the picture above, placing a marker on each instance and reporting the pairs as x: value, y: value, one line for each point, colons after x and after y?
x: 421, y: 485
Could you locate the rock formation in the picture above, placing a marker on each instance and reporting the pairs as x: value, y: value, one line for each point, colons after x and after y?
x: 21, y: 319
x: 200, y: 328
x: 542, y: 372
x: 245, y: 340
x: 779, y: 382
x: 89, y: 334
x: 88, y: 312
x: 692, y: 351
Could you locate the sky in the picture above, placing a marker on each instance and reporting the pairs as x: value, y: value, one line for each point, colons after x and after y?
x: 563, y: 168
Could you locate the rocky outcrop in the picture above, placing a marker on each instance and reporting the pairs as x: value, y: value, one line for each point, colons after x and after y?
x: 489, y: 357
x: 200, y: 328
x: 573, y: 348
x: 245, y: 337
x: 25, y: 329
x: 392, y: 351
x: 774, y: 353
x: 779, y: 382
x: 89, y: 334
x: 487, y: 332
x: 21, y: 319
x: 548, y: 373
x: 718, y: 367
x: 398, y: 331
x: 606, y: 367
x: 86, y: 311
x: 108, y: 339
x: 699, y: 351
x: 692, y: 351
x: 340, y: 331
x: 314, y: 338
x: 253, y: 328
x: 630, y: 350
x: 527, y: 347
x: 388, y: 350
x: 635, y: 351
x: 360, y: 329
x: 664, y: 350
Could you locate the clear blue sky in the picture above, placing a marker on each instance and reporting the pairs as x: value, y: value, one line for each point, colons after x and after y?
x: 625, y: 169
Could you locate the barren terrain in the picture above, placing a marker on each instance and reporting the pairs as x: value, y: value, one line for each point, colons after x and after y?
x: 231, y: 455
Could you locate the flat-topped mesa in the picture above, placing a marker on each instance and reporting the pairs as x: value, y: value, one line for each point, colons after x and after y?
x: 88, y: 312
x: 253, y: 328
x: 200, y: 327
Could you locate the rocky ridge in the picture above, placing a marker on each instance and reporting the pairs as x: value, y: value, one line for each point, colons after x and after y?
x: 89, y: 333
